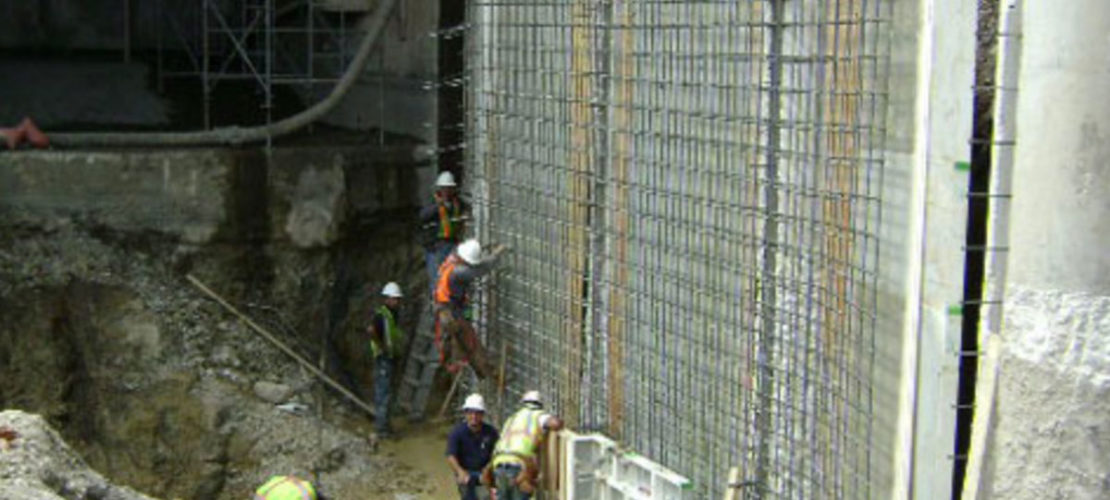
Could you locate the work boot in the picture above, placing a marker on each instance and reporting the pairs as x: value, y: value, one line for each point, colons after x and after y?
x: 34, y: 135
x: 385, y: 434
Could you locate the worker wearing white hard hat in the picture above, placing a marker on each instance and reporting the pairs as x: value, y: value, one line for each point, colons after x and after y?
x: 455, y: 335
x: 470, y: 448
x: 287, y: 488
x: 516, y: 457
x: 386, y: 346
x: 443, y: 223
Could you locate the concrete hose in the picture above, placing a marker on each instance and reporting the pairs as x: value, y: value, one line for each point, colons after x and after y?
x: 236, y: 135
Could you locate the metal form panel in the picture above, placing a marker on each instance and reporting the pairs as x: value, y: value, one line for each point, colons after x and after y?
x: 599, y: 470
x: 690, y: 191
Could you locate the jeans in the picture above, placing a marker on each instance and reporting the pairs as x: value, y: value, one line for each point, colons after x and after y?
x: 383, y: 375
x: 474, y: 490
x: 433, y: 258
x: 504, y: 477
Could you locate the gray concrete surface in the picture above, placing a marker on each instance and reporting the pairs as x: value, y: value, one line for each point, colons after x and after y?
x: 397, y: 92
x: 921, y: 264
x: 180, y: 193
x: 198, y: 195
x: 1051, y: 426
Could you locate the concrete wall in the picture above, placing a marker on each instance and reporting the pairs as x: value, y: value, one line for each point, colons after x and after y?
x: 207, y: 195
x: 924, y: 218
x: 1050, y: 426
x: 397, y: 92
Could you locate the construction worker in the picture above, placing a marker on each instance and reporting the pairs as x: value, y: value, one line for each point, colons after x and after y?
x: 455, y: 335
x: 386, y: 339
x: 287, y: 488
x: 443, y: 223
x: 515, y: 458
x: 469, y: 449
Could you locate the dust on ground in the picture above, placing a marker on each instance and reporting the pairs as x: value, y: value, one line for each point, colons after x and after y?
x: 421, y: 447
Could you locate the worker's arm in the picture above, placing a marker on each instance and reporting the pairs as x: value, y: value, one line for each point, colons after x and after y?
x: 429, y: 213
x: 461, y: 475
x: 464, y: 275
x: 471, y: 272
x: 377, y: 331
x: 553, y: 423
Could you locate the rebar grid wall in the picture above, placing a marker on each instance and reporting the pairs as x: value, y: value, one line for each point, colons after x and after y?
x: 690, y: 192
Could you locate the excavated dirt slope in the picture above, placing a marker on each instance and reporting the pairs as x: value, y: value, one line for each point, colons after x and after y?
x: 158, y: 388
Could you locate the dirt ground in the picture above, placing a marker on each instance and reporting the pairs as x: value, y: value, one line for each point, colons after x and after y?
x: 422, y: 446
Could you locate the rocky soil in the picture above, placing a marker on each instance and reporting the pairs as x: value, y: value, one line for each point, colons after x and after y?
x: 160, y: 389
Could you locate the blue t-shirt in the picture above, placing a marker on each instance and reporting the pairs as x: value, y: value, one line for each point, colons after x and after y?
x: 472, y: 450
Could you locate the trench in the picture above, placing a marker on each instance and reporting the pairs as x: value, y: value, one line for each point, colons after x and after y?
x: 156, y: 387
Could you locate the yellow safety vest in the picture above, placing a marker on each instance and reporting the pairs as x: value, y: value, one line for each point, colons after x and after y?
x: 393, y: 334
x: 520, y: 436
x: 285, y: 488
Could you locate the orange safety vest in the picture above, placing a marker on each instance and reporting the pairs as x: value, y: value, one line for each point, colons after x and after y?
x: 443, y: 284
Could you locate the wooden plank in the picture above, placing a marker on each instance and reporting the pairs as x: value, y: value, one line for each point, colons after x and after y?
x: 732, y: 489
x: 280, y: 345
x: 552, y: 478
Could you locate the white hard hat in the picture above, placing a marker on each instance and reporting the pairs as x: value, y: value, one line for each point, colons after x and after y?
x: 392, y: 290
x: 474, y: 402
x: 531, y: 397
x: 470, y: 251
x: 445, y: 179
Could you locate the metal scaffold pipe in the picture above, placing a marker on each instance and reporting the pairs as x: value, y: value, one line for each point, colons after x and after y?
x: 238, y: 135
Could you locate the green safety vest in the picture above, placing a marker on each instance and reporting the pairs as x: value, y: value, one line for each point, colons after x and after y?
x: 449, y: 224
x: 285, y: 488
x: 392, y: 334
x: 520, y: 436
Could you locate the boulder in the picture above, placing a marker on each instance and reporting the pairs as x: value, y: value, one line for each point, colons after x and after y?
x: 272, y: 392
x: 36, y: 464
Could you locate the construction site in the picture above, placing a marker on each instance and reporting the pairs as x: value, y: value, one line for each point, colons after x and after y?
x: 799, y: 249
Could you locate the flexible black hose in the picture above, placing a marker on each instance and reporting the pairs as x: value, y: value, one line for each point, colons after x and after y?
x: 237, y: 135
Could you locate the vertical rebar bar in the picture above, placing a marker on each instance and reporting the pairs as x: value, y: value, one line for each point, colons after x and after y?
x: 688, y: 190
x: 768, y: 285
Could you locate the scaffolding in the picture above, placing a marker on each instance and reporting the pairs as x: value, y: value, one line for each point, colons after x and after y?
x: 691, y: 193
x: 298, y: 43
